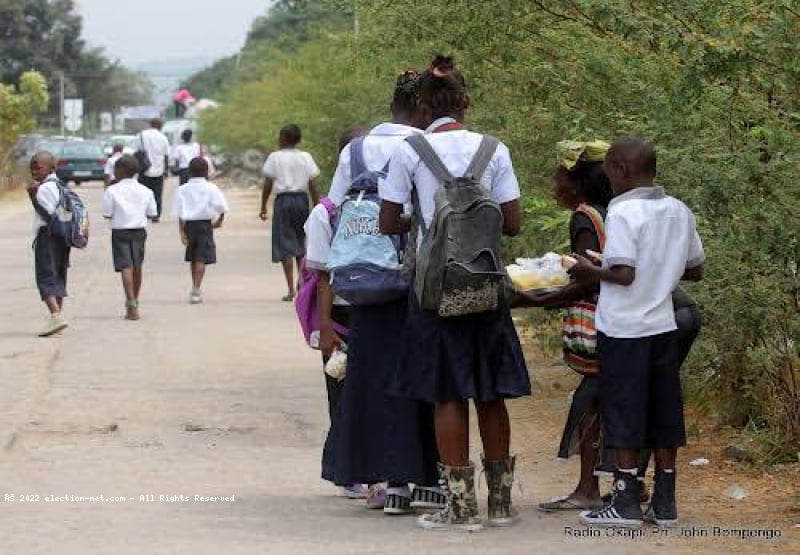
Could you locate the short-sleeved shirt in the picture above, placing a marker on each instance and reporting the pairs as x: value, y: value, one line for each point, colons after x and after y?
x: 198, y: 199
x: 157, y: 147
x: 128, y: 204
x: 290, y: 170
x: 379, y: 146
x: 656, y: 234
x: 110, y: 163
x: 579, y: 222
x: 48, y: 196
x: 456, y: 150
x: 185, y: 153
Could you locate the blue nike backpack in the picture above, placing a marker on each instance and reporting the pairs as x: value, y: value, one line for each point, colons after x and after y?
x: 366, y: 267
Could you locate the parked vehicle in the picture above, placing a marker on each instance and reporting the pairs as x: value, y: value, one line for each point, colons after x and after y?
x: 79, y: 161
x: 129, y: 144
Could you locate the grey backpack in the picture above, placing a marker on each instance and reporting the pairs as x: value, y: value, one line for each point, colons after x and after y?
x: 459, y: 269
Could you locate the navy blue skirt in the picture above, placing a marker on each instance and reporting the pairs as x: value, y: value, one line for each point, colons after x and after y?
x: 376, y: 437
x: 468, y: 357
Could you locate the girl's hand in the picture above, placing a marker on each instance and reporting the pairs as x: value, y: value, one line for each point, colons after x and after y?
x: 263, y: 215
x: 329, y: 341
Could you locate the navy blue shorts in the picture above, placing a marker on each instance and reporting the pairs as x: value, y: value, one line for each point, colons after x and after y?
x: 200, y: 242
x: 640, y: 392
x: 127, y: 248
x: 51, y: 258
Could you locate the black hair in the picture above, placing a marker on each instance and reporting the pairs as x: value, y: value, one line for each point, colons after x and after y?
x: 590, y: 181
x: 118, y: 147
x: 291, y: 134
x: 406, y: 94
x: 156, y: 123
x: 443, y: 89
x: 127, y: 166
x: 198, y: 167
x: 350, y: 134
x: 186, y: 136
x: 637, y: 152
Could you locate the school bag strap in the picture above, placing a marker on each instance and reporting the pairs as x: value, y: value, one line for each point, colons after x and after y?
x: 477, y: 167
x: 357, y: 164
x: 597, y: 221
x: 429, y: 157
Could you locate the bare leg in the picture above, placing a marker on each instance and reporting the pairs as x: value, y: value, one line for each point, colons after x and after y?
x: 452, y: 432
x: 53, y: 304
x: 288, y: 271
x: 588, y: 487
x: 128, y: 283
x: 627, y: 458
x: 137, y: 282
x: 495, y: 429
x: 665, y: 458
x: 198, y: 272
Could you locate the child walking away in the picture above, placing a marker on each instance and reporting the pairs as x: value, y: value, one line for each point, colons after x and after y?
x: 652, y: 243
x: 580, y: 185
x: 200, y: 208
x: 185, y: 153
x: 377, y: 439
x: 128, y: 204
x: 108, y: 172
x: 290, y: 172
x: 461, y: 343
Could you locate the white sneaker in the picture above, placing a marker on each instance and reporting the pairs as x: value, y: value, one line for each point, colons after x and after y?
x: 55, y: 324
x: 195, y: 297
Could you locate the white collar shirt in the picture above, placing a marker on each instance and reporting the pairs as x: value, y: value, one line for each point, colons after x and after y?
x: 110, y: 163
x: 48, y: 196
x: 156, y: 145
x: 290, y: 170
x: 198, y: 199
x: 456, y: 150
x: 379, y: 146
x: 128, y: 204
x: 185, y: 153
x: 655, y: 234
x: 319, y: 234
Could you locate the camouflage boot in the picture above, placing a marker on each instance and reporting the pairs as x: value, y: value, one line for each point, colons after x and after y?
x: 500, y: 477
x: 460, y: 512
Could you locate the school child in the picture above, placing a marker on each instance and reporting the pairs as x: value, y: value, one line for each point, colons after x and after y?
x: 185, y: 153
x: 333, y: 313
x: 200, y: 208
x: 51, y: 254
x: 378, y: 438
x: 290, y: 172
x: 652, y: 243
x: 108, y: 171
x: 128, y: 204
x: 452, y: 359
x: 580, y: 185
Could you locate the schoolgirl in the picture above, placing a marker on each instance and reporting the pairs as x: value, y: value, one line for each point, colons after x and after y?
x: 378, y: 438
x: 449, y: 361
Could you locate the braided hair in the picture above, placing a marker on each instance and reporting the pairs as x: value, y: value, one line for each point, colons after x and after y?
x: 406, y: 95
x: 443, y: 89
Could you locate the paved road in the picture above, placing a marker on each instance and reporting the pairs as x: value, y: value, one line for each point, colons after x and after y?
x: 220, y: 399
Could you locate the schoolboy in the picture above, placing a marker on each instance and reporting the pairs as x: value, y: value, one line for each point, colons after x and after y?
x: 128, y: 204
x: 652, y: 243
x: 200, y: 208
x: 108, y: 171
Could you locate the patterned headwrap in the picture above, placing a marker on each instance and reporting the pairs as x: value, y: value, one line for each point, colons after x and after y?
x: 569, y: 153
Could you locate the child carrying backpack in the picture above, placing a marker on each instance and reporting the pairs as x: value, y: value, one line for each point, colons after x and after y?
x: 461, y: 342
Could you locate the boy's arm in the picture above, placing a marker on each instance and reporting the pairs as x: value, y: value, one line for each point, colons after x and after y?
x: 266, y: 191
x: 220, y: 220
x: 182, y: 232
x: 108, y: 205
x: 586, y: 272
x: 313, y: 192
x: 693, y: 274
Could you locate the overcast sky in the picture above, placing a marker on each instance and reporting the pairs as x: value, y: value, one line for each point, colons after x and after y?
x: 137, y: 31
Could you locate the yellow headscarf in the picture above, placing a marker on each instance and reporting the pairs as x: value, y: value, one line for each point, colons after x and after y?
x: 570, y: 152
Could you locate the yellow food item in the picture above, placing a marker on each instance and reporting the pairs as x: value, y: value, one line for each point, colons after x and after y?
x: 557, y: 281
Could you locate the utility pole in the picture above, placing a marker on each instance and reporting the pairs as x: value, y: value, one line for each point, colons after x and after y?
x: 61, y: 102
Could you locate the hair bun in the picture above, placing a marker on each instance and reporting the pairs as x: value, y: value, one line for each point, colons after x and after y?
x: 442, y: 65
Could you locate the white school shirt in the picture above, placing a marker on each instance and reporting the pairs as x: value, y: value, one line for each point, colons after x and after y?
x: 157, y: 147
x: 128, y: 204
x: 456, y: 149
x: 47, y: 195
x: 319, y: 234
x: 379, y: 146
x: 198, y: 199
x: 290, y: 170
x: 110, y: 163
x: 185, y: 153
x: 655, y: 234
